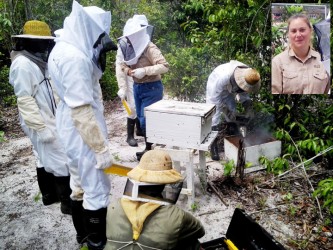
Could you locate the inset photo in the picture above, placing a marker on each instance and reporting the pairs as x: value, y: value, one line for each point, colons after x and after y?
x: 301, y: 48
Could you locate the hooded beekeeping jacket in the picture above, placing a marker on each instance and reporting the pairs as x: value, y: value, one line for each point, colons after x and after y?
x: 37, y: 106
x: 80, y: 119
x: 153, y: 226
x: 219, y: 90
x: 141, y: 53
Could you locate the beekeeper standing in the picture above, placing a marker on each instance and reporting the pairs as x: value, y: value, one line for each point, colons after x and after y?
x: 228, y: 84
x: 146, y: 217
x: 125, y: 93
x: 37, y: 108
x: 76, y: 64
x: 144, y: 62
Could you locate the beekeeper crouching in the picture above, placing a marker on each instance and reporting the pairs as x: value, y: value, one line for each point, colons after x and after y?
x: 76, y: 64
x: 37, y: 109
x: 228, y: 84
x: 146, y: 217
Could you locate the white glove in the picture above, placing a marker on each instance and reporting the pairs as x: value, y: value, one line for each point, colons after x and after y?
x: 139, y: 73
x: 121, y: 93
x: 104, y: 159
x: 45, y: 135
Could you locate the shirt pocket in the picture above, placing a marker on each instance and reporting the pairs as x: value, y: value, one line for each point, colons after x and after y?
x: 320, y: 76
x: 318, y: 82
x: 290, y: 82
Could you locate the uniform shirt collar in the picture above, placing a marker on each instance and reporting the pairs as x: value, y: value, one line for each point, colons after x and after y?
x: 310, y: 54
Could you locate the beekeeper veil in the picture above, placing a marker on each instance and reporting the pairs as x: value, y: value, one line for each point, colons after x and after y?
x: 87, y: 28
x: 136, y: 36
x: 154, y: 180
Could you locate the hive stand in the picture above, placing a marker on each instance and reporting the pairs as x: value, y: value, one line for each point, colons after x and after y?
x: 183, y: 161
x: 182, y: 128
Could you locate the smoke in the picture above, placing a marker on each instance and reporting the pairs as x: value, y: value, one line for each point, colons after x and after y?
x: 259, y: 130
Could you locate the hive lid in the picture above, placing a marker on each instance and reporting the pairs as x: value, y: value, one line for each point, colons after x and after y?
x: 182, y: 108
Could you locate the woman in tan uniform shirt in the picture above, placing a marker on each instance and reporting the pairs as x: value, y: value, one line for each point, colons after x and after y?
x: 298, y: 70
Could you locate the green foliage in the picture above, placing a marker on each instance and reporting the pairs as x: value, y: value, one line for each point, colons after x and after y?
x: 108, y: 81
x: 7, y: 97
x: 308, y: 121
x: 186, y: 79
x: 228, y: 167
x: 38, y: 197
x: 227, y: 30
x: 2, y: 136
x: 325, y: 191
x: 277, y: 165
x: 194, y: 207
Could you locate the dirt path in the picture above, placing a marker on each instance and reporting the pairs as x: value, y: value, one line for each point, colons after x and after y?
x: 26, y: 224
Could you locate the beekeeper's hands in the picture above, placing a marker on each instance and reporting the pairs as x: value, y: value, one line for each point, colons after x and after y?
x: 230, y: 116
x: 121, y: 93
x: 138, y: 73
x: 104, y: 159
x: 45, y: 135
x: 248, y: 109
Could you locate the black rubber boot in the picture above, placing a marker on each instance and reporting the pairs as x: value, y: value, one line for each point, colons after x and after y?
x: 139, y: 131
x: 47, y: 187
x: 79, y: 221
x: 130, y: 133
x: 214, y: 151
x: 148, y: 147
x: 96, y: 228
x: 64, y: 191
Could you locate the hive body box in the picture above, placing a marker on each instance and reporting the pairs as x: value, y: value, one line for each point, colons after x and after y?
x: 270, y: 148
x: 175, y: 123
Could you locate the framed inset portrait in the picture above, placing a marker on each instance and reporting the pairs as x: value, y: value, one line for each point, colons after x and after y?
x: 300, y: 49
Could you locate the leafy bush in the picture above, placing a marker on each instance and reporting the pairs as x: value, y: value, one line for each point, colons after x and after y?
x: 7, y: 96
x: 186, y: 79
x: 325, y: 191
x: 228, y: 167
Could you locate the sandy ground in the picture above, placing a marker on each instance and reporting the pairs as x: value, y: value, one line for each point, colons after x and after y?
x: 26, y: 224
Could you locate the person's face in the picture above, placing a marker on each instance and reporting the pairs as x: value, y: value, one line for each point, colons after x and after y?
x: 299, y: 34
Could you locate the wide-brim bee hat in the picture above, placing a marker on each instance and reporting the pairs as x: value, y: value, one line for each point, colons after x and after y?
x: 35, y: 29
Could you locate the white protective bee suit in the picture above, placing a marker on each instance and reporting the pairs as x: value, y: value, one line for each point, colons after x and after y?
x: 125, y: 84
x: 219, y: 91
x: 80, y: 118
x: 37, y: 107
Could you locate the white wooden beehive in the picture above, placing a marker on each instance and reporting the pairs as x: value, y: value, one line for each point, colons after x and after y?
x: 175, y: 123
x: 270, y: 149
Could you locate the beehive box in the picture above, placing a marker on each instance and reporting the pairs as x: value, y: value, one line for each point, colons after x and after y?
x: 255, y: 145
x: 175, y: 123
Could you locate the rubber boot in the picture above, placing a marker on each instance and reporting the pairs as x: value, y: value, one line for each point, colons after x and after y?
x: 130, y: 133
x: 148, y: 147
x: 64, y: 191
x: 47, y: 187
x: 79, y: 221
x: 214, y: 150
x: 138, y: 128
x: 96, y: 228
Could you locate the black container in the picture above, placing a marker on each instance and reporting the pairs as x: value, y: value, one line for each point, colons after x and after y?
x: 244, y: 233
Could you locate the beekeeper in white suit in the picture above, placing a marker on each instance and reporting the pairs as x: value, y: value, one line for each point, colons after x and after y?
x: 228, y: 84
x: 76, y: 64
x: 37, y: 108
